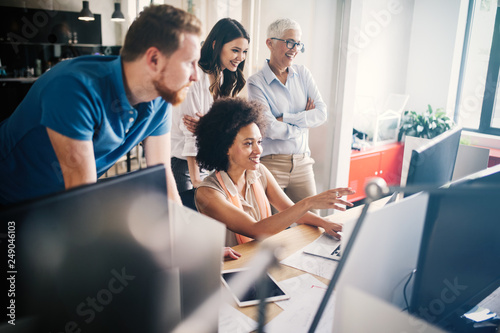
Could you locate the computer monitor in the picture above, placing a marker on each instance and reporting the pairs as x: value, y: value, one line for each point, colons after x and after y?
x: 433, y: 163
x: 384, y: 253
x: 459, y: 255
x: 106, y: 257
x: 484, y: 178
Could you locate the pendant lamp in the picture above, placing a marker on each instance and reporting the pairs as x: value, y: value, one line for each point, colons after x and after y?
x: 86, y: 14
x: 117, y: 14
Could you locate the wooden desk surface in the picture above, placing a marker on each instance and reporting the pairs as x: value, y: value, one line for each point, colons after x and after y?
x: 291, y: 240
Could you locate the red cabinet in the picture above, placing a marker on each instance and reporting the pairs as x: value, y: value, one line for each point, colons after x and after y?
x: 382, y: 161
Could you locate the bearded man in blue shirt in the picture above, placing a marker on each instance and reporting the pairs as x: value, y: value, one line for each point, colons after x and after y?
x: 80, y: 117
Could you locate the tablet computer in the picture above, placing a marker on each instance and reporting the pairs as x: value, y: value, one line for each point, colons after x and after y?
x: 274, y: 292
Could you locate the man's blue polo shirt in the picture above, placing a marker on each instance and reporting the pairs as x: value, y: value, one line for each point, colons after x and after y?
x: 84, y: 99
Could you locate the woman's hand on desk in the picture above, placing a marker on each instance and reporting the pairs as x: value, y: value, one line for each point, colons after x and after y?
x: 332, y: 228
x: 230, y: 253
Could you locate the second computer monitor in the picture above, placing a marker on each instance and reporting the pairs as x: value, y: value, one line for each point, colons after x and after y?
x: 459, y: 255
x: 383, y: 254
x: 433, y: 164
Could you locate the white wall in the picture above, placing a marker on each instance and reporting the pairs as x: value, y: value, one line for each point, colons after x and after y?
x: 325, y: 49
x: 383, y: 46
x: 343, y: 92
x: 436, y: 36
x: 374, y: 55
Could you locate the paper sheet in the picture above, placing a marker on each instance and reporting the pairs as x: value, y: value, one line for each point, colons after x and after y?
x: 311, y: 264
x: 306, y: 293
x: 297, y: 286
x: 233, y: 321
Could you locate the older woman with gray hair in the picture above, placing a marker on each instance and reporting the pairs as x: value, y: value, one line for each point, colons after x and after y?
x: 293, y: 104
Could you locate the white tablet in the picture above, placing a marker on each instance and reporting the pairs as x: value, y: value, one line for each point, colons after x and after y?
x: 275, y: 293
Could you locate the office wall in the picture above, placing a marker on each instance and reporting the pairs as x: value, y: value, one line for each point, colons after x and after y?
x: 373, y: 62
x: 435, y: 50
x: 382, y: 42
x: 412, y: 47
x: 408, y: 47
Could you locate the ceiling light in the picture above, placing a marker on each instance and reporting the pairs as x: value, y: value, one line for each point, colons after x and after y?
x: 86, y: 14
x: 117, y: 14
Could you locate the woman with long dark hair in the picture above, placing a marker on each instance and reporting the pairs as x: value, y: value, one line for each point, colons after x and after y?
x: 221, y: 67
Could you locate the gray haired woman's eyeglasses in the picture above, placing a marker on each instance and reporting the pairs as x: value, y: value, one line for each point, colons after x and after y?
x: 291, y: 44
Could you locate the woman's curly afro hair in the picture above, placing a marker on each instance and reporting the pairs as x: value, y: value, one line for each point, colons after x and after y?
x: 216, y: 131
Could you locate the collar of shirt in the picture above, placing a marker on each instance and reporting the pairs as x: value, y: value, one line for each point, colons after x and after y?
x: 251, y: 177
x: 269, y: 75
x: 122, y: 103
x: 117, y: 77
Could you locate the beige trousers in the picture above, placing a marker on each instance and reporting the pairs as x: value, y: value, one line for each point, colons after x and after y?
x: 294, y: 174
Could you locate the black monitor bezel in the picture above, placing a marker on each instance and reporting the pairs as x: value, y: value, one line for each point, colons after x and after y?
x: 451, y: 317
x: 418, y: 162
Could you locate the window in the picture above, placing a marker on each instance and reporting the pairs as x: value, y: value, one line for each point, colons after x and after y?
x: 478, y: 99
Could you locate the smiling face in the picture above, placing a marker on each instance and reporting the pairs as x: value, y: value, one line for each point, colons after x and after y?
x: 179, y: 71
x: 244, y: 153
x: 281, y: 55
x: 233, y: 53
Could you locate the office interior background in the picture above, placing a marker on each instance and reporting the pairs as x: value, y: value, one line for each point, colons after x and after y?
x: 356, y: 50
x: 435, y: 52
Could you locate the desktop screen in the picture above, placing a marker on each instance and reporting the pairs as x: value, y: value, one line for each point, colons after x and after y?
x: 77, y: 266
x: 384, y: 253
x: 459, y: 254
x: 433, y: 163
x: 100, y: 258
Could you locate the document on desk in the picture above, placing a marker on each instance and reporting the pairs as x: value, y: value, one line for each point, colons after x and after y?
x: 311, y: 264
x: 231, y: 320
x: 297, y: 286
x: 306, y: 293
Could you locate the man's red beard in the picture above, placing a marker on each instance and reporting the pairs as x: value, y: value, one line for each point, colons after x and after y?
x: 175, y: 97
